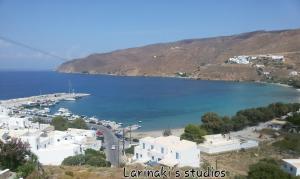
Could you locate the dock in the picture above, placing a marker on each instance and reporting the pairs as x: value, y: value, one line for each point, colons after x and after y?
x: 46, y: 100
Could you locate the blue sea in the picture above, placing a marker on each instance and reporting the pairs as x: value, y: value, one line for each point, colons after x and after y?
x: 158, y: 102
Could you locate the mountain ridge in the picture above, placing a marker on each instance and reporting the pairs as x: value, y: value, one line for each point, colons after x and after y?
x: 201, y: 58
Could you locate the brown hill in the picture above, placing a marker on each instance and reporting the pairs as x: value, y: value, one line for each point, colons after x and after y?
x: 199, y: 58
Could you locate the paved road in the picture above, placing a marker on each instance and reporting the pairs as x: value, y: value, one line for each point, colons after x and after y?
x: 109, y: 140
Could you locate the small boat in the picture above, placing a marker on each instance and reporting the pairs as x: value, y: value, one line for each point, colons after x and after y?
x: 70, y: 99
x: 140, y: 121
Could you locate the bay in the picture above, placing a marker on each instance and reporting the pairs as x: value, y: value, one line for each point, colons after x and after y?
x: 158, y: 102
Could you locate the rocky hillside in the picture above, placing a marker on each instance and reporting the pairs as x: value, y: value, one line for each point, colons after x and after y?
x: 196, y: 58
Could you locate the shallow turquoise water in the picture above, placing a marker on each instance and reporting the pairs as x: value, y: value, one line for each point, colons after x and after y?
x: 158, y: 102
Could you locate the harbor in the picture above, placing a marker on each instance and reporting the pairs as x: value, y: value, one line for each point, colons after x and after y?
x: 40, y: 108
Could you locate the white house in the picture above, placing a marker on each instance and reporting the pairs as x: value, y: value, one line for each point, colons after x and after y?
x: 291, y: 166
x: 293, y: 73
x: 52, y: 147
x: 219, y: 143
x: 240, y: 59
x: 168, y: 151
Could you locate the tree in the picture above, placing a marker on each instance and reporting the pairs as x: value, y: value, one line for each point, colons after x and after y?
x: 193, y: 133
x: 167, y: 132
x: 78, y: 123
x: 96, y: 161
x: 279, y: 109
x: 239, y: 122
x: 295, y: 119
x: 130, y: 150
x: 212, y: 122
x: 13, y: 154
x: 267, y: 168
x: 74, y: 160
x: 60, y: 123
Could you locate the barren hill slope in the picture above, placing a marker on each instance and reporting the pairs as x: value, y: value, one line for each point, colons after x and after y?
x: 199, y: 58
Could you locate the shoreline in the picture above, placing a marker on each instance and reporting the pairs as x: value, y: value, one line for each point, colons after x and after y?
x: 249, y: 132
x: 178, y: 77
x: 155, y: 133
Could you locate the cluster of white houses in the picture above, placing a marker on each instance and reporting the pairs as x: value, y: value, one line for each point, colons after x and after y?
x: 246, y: 59
x: 51, y: 146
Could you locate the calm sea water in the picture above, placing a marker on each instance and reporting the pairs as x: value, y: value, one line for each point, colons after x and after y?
x: 158, y: 102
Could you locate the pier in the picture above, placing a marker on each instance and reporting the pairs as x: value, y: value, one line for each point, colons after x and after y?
x: 44, y: 100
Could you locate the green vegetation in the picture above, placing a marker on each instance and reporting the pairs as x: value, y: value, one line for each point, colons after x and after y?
x: 267, y: 168
x: 291, y: 142
x: 294, y: 120
x: 60, y: 123
x: 16, y: 156
x: 212, y: 123
x: 91, y: 157
x: 130, y: 150
x: 193, y: 133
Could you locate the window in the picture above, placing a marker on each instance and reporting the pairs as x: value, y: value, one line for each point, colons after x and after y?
x: 162, y: 150
x: 177, y: 155
x: 291, y: 169
x: 152, y: 147
x: 136, y: 155
x: 141, y: 156
x: 143, y: 145
x: 152, y: 157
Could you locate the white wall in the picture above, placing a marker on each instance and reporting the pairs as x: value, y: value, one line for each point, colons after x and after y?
x: 290, y: 169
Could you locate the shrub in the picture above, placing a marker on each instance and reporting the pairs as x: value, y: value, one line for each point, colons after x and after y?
x: 193, y: 133
x: 96, y: 161
x: 130, y: 150
x: 74, y: 160
x: 267, y: 168
x: 69, y: 173
x: 26, y: 169
x: 60, y: 123
x: 13, y: 153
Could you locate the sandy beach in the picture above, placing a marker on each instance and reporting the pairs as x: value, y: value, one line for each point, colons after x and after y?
x: 248, y: 132
x: 155, y: 133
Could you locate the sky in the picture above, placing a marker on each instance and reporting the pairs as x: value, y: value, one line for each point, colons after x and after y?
x: 75, y: 29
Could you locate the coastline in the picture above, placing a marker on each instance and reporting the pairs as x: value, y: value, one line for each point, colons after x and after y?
x: 155, y: 133
x: 179, y: 77
x: 249, y: 132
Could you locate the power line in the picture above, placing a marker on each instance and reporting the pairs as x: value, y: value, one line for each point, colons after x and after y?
x: 31, y: 48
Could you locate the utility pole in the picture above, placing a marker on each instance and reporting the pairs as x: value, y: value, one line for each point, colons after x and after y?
x: 129, y: 134
x: 118, y: 153
x: 123, y: 141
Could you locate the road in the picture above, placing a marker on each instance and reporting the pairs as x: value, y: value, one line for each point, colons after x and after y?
x: 109, y: 139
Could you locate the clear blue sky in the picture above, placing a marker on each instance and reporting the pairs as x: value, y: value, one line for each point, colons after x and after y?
x: 74, y: 29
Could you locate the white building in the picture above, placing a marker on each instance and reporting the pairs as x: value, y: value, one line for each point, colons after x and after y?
x: 168, y: 151
x: 278, y: 58
x: 219, y: 143
x: 240, y: 59
x: 293, y: 73
x: 291, y: 166
x: 49, y: 145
